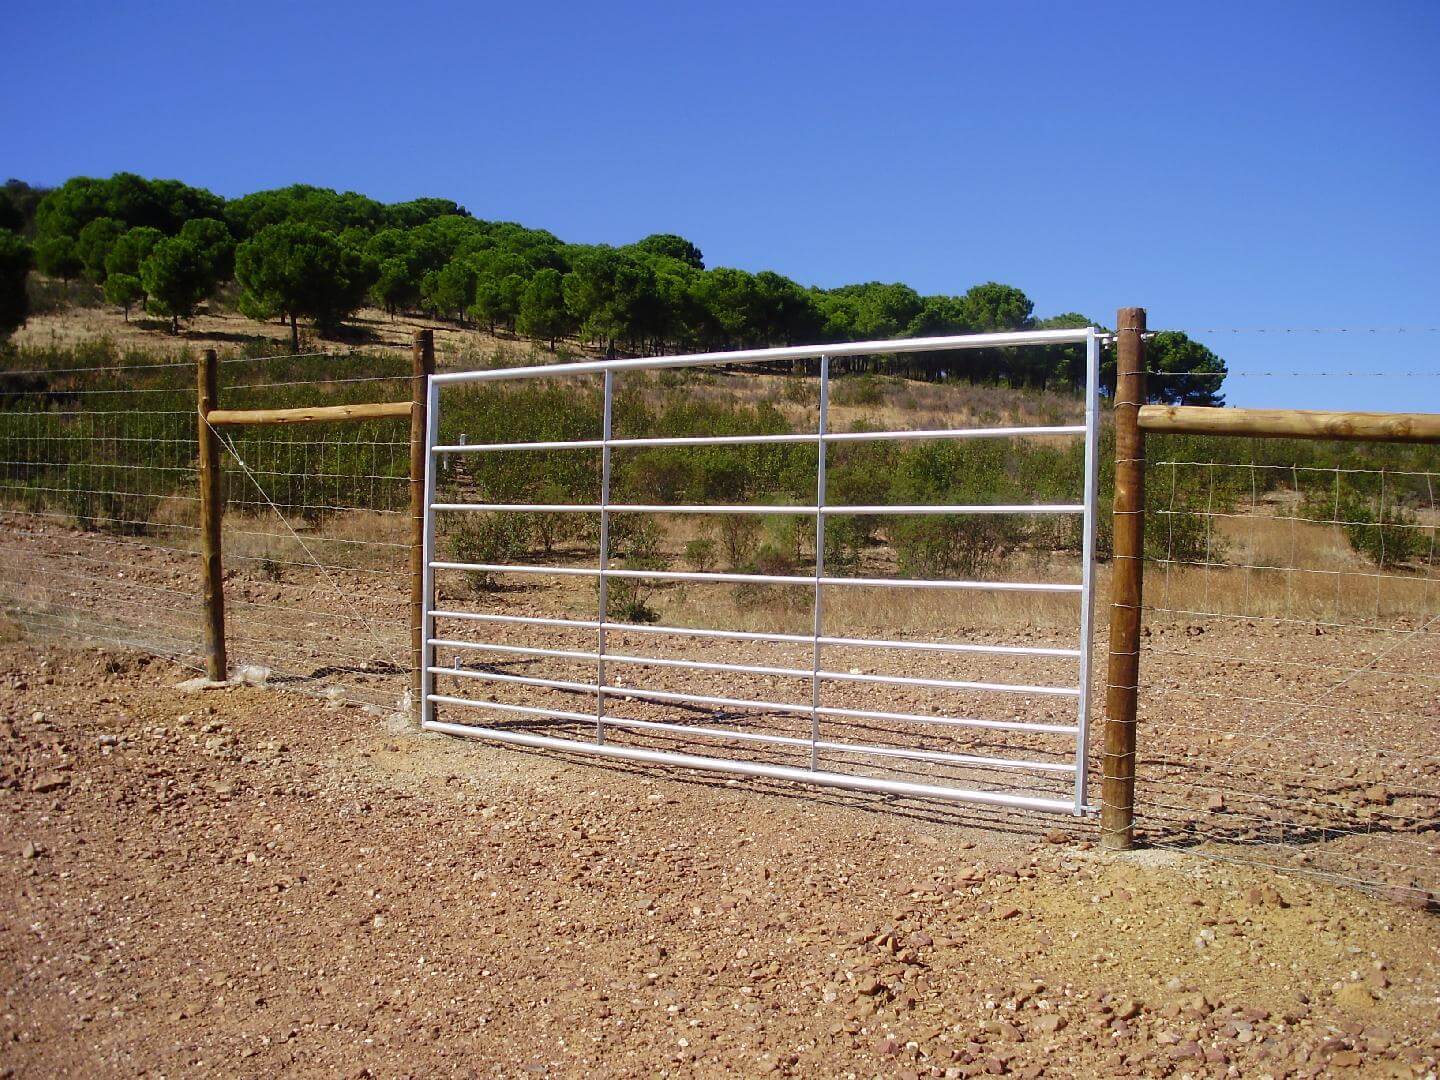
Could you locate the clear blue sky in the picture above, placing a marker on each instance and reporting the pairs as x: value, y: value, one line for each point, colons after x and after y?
x: 1223, y: 164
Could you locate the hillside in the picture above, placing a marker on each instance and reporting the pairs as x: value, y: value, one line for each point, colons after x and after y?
x: 317, y: 258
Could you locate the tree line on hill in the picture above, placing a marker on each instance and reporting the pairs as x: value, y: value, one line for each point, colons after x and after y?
x: 311, y: 253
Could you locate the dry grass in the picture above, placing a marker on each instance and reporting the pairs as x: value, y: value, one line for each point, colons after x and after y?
x: 1268, y: 568
x: 228, y: 331
x: 889, y: 405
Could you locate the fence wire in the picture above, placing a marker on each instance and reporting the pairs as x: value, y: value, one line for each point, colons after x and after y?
x: 99, y: 505
x: 1290, y: 681
x: 1291, y: 676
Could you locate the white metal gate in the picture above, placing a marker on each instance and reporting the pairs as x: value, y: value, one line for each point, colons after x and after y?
x: 601, y: 720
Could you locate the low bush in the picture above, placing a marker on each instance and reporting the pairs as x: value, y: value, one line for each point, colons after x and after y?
x: 739, y: 537
x: 942, y: 545
x: 856, y: 390
x: 488, y: 538
x: 700, y: 554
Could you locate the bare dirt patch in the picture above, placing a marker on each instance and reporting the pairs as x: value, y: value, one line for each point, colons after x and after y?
x: 248, y: 881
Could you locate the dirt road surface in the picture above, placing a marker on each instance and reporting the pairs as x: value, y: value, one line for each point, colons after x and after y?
x: 252, y: 883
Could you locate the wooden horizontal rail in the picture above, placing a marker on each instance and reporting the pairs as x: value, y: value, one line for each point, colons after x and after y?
x: 1292, y: 423
x: 320, y: 414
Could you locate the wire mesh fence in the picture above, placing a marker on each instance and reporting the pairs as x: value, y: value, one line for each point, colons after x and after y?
x: 1291, y: 671
x: 100, y: 516
x: 1291, y: 677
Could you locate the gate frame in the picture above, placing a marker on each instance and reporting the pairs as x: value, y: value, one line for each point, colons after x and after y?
x: 1090, y: 337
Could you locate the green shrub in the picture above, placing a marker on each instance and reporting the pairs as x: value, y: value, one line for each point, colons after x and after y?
x: 800, y: 392
x: 1181, y: 536
x: 1388, y: 538
x: 700, y: 554
x: 739, y: 537
x: 772, y: 559
x: 488, y: 538
x: 845, y: 539
x: 937, y: 545
x: 95, y: 497
x: 788, y: 534
x: 554, y: 528
x: 854, y: 390
x: 634, y: 545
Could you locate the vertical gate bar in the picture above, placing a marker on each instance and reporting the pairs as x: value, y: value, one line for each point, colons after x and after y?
x: 607, y: 433
x: 819, y: 561
x: 1087, y: 562
x: 212, y: 512
x: 427, y: 552
x: 1122, y: 676
x: 422, y: 365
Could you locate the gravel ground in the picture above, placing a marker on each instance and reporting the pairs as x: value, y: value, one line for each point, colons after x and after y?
x: 249, y: 882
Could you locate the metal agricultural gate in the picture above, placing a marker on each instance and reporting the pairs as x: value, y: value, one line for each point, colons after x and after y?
x: 606, y: 727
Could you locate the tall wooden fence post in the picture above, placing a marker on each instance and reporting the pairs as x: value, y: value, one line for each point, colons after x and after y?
x: 211, y: 512
x: 422, y: 364
x: 1122, y: 681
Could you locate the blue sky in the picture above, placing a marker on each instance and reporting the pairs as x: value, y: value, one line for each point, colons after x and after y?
x: 1226, y: 164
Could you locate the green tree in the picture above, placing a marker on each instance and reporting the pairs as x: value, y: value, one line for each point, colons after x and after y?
x: 55, y: 256
x: 322, y: 208
x: 15, y: 261
x: 176, y: 276
x: 416, y: 212
x: 293, y: 270
x: 610, y: 294
x: 882, y: 310
x: 789, y: 314
x: 25, y: 200
x: 1066, y: 363
x: 672, y: 247
x: 133, y: 200
x: 993, y: 307
x: 451, y: 289
x: 500, y: 278
x: 129, y: 251
x: 735, y: 310
x: 399, y: 257
x: 542, y: 307
x: 939, y: 316
x: 124, y: 291
x: 396, y: 288
x: 214, y: 241
x: 67, y: 209
x: 159, y: 204
x: 1184, y: 372
x: 12, y: 218
x: 94, y: 243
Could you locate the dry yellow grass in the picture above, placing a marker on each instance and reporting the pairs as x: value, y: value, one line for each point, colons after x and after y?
x: 228, y: 331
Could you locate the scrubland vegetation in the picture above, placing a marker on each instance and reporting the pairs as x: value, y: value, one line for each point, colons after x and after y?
x: 129, y: 469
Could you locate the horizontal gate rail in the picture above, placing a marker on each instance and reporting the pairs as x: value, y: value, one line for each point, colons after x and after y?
x: 752, y: 635
x: 603, y: 690
x: 756, y: 440
x: 763, y: 579
x: 765, y: 509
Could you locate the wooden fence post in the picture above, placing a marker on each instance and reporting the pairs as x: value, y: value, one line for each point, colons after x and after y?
x: 1122, y: 680
x: 422, y: 364
x: 211, y: 513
